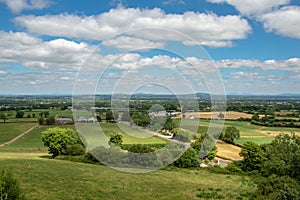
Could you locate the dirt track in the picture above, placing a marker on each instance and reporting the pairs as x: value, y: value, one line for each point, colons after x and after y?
x: 18, y: 137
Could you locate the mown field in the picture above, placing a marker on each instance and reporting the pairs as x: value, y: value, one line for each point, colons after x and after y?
x: 230, y: 115
x: 9, y: 131
x: 44, y: 178
x: 33, y: 138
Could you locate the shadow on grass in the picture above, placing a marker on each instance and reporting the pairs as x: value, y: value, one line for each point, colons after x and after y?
x: 46, y: 156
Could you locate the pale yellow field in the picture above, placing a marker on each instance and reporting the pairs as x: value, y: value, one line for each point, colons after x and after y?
x: 231, y: 115
x: 229, y: 151
x: 20, y: 155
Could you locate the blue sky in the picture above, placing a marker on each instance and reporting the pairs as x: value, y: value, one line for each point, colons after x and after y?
x: 215, y: 46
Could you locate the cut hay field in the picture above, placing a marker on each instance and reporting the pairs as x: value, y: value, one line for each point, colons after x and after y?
x: 230, y: 115
x: 43, y: 178
x: 228, y: 151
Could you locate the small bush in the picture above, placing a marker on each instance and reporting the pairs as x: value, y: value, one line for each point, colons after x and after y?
x: 234, y: 167
x: 155, y: 147
x: 91, y: 158
x: 210, y: 195
x: 183, y: 135
x: 75, y: 150
x: 80, y: 158
x: 217, y: 169
x: 9, y: 187
x: 116, y: 139
x: 139, y: 148
x: 188, y: 160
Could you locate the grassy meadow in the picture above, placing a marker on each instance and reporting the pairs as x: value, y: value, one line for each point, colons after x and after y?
x: 248, y: 132
x: 44, y: 178
x: 9, y: 131
x: 33, y: 138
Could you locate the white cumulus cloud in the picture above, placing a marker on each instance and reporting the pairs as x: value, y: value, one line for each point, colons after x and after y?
x: 285, y: 21
x: 253, y: 7
x: 16, y: 6
x: 33, y: 52
x: 131, y: 43
x: 277, y: 16
x: 206, y: 28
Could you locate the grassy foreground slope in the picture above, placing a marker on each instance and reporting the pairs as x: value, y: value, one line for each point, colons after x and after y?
x: 42, y: 178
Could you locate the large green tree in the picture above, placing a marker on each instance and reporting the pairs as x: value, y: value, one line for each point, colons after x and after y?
x: 19, y: 114
x: 4, y: 117
x: 109, y: 117
x: 188, y: 160
x: 253, y: 155
x: 205, y: 148
x: 231, y: 133
x: 59, y: 139
x: 141, y: 119
x: 283, y: 156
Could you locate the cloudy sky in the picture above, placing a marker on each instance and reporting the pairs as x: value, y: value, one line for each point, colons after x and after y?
x: 177, y: 46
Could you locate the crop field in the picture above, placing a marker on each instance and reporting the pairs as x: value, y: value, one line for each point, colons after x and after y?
x: 71, y: 180
x: 228, y: 151
x: 230, y: 115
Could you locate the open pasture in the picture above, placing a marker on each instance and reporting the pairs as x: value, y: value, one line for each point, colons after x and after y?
x: 248, y: 132
x: 91, y: 134
x: 33, y: 138
x: 8, y: 131
x: 71, y: 180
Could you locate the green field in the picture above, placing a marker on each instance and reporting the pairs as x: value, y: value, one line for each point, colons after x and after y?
x: 134, y: 137
x: 44, y: 178
x: 9, y: 131
x: 246, y: 129
x: 248, y: 132
x: 33, y: 138
x: 280, y: 129
x: 259, y: 141
x: 36, y: 112
x: 94, y: 136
